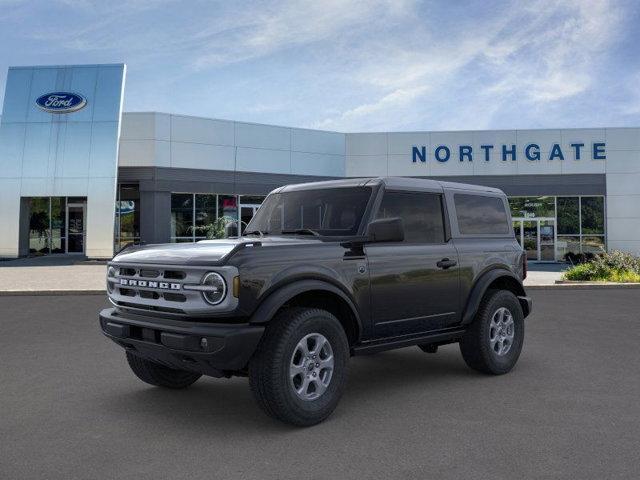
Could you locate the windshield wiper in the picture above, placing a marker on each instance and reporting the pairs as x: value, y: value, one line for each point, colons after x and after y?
x: 302, y: 231
x: 255, y: 232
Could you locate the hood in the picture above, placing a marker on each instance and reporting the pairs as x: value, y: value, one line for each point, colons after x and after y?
x: 204, y: 252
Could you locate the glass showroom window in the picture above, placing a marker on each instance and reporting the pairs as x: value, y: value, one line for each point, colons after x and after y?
x: 39, y: 225
x: 581, y: 225
x: 182, y: 217
x: 127, y: 226
x: 249, y: 205
x: 191, y: 213
x: 530, y: 207
x: 592, y: 223
x: 228, y: 208
x: 47, y: 225
x: 580, y: 220
x: 205, y: 214
x: 568, y: 225
x: 56, y: 224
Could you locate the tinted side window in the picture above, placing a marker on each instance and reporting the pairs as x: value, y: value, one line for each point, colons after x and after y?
x: 478, y: 214
x: 421, y: 214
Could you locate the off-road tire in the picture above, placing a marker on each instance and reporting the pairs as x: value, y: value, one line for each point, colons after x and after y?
x: 159, y: 375
x: 269, y: 376
x: 475, y: 345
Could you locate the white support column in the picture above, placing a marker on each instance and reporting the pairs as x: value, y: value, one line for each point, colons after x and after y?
x: 623, y: 189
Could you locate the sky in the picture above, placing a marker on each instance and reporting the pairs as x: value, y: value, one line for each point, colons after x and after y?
x: 351, y: 65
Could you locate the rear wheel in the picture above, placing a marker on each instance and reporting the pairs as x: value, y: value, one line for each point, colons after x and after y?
x: 159, y: 375
x: 493, y: 342
x: 299, y: 370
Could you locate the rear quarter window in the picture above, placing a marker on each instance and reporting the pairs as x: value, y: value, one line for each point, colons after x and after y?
x: 481, y: 215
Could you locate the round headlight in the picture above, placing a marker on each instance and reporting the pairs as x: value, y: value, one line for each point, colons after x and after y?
x: 111, y: 272
x: 216, y: 288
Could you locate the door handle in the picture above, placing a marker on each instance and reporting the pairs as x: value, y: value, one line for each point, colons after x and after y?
x: 446, y: 263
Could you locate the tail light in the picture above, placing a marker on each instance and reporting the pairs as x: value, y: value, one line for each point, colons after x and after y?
x: 524, y: 265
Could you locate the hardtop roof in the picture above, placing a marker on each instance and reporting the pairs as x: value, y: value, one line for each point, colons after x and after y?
x: 392, y: 182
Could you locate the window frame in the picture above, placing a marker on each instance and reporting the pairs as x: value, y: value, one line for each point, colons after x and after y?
x: 117, y: 228
x: 413, y: 191
x: 195, y: 237
x: 580, y: 234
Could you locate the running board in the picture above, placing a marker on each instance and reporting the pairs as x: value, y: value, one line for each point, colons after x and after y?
x: 440, y: 336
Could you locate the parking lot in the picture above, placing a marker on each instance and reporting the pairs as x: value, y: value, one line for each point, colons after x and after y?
x: 70, y: 407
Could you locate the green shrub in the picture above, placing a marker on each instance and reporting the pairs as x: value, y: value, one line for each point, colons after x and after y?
x: 617, y: 260
x: 614, y: 266
x: 624, y: 277
x: 215, y: 230
x: 582, y: 271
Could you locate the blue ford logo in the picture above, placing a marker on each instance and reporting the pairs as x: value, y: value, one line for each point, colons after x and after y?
x: 61, y: 102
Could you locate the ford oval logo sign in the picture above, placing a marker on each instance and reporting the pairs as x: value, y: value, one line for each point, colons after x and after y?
x: 61, y: 102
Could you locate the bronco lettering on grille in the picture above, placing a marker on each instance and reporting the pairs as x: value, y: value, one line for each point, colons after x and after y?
x: 145, y: 283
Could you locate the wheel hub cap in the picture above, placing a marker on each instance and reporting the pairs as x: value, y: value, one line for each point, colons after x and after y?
x: 311, y: 366
x: 501, y: 331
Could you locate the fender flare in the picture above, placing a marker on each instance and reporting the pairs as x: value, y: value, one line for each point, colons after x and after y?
x: 482, y: 285
x: 281, y: 295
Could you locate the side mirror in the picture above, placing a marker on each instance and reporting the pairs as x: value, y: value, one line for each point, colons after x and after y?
x: 386, y: 230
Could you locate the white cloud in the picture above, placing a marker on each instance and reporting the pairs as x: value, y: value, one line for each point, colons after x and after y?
x: 286, y: 24
x: 631, y: 103
x: 348, y: 64
x: 401, y: 97
x: 551, y: 56
x: 542, y: 52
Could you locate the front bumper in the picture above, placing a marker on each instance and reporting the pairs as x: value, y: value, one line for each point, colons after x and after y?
x: 209, y: 348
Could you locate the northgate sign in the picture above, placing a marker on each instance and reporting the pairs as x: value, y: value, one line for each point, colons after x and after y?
x: 532, y: 152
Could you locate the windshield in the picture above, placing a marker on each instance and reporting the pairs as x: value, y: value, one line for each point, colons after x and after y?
x: 326, y: 212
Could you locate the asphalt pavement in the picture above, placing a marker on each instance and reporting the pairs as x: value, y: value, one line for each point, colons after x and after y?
x: 71, y: 409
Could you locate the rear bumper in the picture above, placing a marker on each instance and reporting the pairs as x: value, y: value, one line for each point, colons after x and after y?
x: 527, y: 305
x: 207, y: 348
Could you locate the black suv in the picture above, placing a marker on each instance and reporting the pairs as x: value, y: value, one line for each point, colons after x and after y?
x: 322, y: 272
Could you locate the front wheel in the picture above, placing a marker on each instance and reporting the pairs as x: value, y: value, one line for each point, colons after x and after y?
x: 493, y: 342
x: 299, y: 370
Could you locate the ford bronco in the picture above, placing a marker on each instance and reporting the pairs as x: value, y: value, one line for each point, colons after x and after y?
x: 325, y: 271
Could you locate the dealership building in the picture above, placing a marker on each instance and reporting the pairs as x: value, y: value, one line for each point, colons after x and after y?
x: 80, y: 176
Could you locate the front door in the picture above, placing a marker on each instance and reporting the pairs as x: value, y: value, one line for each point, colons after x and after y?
x: 75, y: 227
x: 537, y: 237
x: 246, y: 214
x: 412, y: 289
x: 547, y: 230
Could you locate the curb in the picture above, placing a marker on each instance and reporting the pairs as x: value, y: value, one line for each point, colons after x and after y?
x: 583, y: 286
x: 22, y: 293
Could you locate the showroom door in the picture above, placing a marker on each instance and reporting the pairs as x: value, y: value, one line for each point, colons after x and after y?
x: 76, y: 220
x: 537, y: 237
x: 246, y: 214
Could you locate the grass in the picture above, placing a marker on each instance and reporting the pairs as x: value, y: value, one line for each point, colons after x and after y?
x: 587, y: 272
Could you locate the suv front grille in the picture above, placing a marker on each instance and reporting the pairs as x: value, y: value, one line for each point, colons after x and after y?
x: 174, y: 275
x: 161, y: 289
x: 174, y: 297
x: 148, y: 294
x: 148, y: 280
x: 151, y: 308
x: 145, y: 272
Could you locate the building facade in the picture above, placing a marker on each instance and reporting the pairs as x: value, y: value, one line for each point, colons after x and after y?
x: 59, y: 138
x: 570, y: 190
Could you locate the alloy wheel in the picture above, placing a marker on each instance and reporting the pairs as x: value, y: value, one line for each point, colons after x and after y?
x: 501, y: 331
x: 311, y: 366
